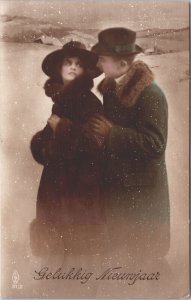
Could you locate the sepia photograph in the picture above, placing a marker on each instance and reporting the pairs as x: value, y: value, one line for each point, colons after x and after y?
x: 95, y: 149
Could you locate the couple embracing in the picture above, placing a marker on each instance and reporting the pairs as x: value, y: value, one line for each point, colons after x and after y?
x: 104, y: 179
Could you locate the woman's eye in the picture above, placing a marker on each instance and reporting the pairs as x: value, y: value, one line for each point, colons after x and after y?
x: 66, y: 63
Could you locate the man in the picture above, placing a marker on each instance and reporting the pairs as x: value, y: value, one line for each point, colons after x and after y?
x: 135, y: 133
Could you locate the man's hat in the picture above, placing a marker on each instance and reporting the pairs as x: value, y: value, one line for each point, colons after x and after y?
x: 116, y: 41
x: 71, y: 49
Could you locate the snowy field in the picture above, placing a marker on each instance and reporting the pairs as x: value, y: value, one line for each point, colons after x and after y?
x: 25, y: 110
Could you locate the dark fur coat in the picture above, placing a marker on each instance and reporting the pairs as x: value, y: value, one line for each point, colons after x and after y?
x: 70, y: 186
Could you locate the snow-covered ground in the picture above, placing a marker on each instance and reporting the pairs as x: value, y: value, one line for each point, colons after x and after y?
x: 25, y: 110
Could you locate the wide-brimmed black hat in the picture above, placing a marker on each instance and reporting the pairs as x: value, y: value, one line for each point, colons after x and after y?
x: 116, y: 41
x: 71, y: 49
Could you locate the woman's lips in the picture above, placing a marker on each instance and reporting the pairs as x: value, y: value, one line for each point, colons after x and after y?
x: 72, y: 73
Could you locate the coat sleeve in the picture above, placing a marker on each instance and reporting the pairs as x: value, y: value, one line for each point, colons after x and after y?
x: 47, y: 146
x: 148, y: 137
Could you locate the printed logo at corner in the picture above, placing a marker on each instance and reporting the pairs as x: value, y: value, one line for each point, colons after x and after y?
x: 15, y: 280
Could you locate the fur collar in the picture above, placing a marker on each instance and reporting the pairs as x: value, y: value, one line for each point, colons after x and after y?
x: 129, y: 88
x: 58, y: 91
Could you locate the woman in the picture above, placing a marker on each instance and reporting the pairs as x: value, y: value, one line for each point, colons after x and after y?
x: 70, y: 210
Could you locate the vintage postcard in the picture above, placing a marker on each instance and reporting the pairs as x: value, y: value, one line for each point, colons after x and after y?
x: 95, y: 149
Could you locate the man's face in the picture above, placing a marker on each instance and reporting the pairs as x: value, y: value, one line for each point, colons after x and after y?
x: 111, y: 66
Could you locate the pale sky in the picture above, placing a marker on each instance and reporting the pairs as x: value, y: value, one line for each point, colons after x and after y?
x: 137, y: 14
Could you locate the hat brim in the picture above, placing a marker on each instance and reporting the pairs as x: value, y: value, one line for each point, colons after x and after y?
x: 51, y: 61
x: 101, y: 50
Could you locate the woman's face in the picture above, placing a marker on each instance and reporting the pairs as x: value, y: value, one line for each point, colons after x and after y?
x: 71, y: 68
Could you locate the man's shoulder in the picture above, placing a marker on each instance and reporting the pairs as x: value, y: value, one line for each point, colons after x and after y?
x: 154, y: 96
x: 154, y: 90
